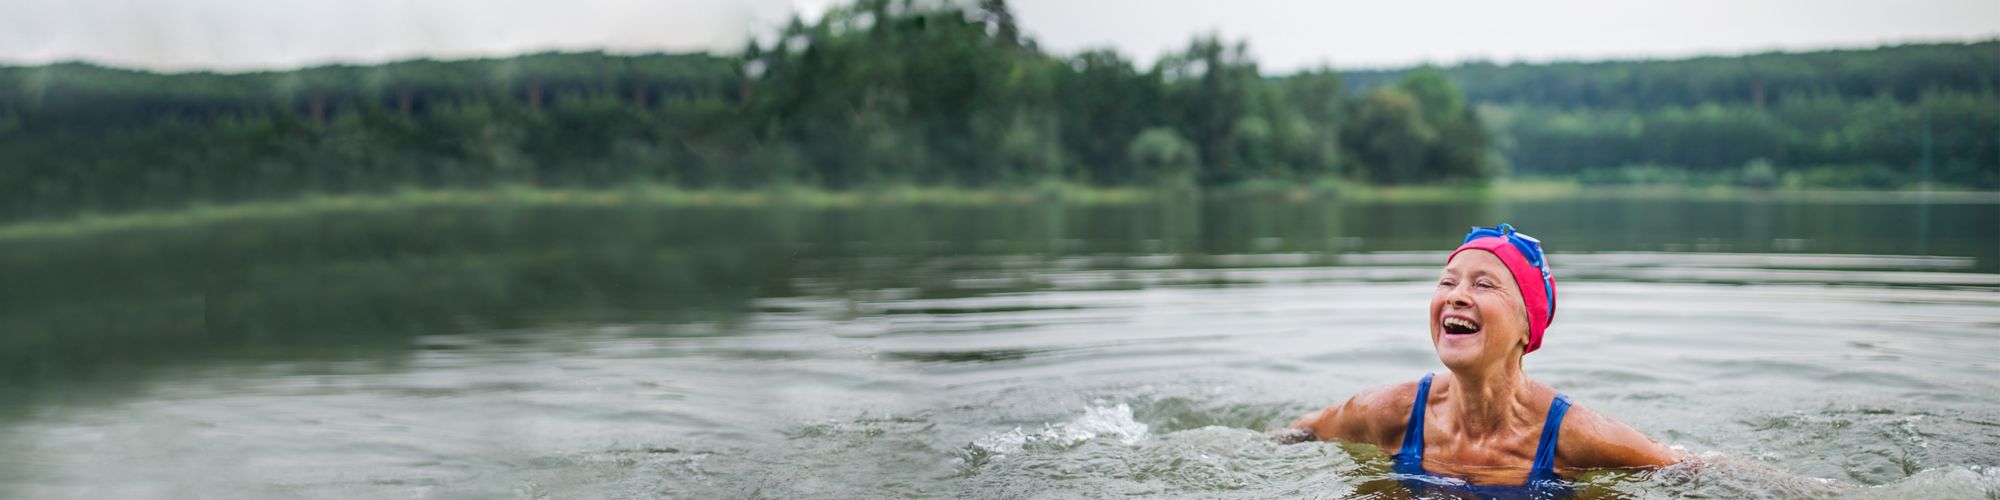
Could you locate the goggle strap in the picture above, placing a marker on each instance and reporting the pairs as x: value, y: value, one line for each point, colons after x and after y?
x: 1530, y: 248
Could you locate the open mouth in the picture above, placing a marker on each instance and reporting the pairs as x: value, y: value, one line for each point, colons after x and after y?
x: 1454, y: 325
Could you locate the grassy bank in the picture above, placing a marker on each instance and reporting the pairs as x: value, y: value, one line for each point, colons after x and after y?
x: 1532, y: 189
x: 530, y: 196
x: 1048, y: 192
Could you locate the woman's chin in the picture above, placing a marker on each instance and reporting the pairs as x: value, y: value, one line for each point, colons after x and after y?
x: 1457, y: 350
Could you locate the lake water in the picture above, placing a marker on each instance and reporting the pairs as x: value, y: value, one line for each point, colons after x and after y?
x: 1807, y: 348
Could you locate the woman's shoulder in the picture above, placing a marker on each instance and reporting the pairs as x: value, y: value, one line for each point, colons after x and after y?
x: 1382, y: 411
x: 1401, y: 394
x: 1590, y: 440
x: 1374, y: 415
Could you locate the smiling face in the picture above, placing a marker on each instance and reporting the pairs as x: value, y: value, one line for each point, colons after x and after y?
x: 1477, y: 316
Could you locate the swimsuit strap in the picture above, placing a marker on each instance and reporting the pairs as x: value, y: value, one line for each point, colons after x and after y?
x: 1413, y: 433
x: 1545, y: 451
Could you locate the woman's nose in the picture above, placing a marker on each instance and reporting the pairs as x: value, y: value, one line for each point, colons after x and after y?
x: 1457, y: 297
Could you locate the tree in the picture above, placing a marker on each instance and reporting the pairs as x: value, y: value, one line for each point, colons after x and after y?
x: 1211, y: 85
x: 1387, y: 136
x: 1160, y: 155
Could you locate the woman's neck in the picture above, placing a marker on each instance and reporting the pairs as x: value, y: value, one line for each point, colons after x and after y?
x: 1484, y: 402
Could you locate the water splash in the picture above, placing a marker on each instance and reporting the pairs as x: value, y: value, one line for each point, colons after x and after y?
x: 1942, y: 482
x: 1112, y: 422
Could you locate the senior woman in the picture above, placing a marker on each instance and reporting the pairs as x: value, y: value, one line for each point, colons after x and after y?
x: 1486, y: 424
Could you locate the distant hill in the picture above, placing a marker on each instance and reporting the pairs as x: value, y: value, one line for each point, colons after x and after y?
x: 1903, y: 72
x: 1867, y: 118
x: 87, y: 95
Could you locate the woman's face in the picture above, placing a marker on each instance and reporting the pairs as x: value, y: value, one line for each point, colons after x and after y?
x: 1477, y: 316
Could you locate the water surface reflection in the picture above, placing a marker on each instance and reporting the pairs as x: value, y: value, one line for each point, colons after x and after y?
x: 996, y: 350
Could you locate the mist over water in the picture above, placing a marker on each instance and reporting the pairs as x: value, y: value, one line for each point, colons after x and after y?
x: 1810, y: 349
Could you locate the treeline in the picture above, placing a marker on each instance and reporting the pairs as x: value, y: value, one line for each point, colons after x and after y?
x: 80, y: 137
x: 1847, y: 118
x: 889, y: 92
x: 877, y: 92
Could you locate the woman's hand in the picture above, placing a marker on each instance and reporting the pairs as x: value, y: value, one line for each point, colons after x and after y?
x: 1291, y: 436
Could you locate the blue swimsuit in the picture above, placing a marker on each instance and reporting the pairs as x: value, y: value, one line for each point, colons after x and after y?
x: 1542, y: 478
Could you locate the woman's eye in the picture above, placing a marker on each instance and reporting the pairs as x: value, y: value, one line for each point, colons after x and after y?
x: 1487, y: 284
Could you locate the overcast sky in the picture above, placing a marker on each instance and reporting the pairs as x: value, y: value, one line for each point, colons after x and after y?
x: 1284, y: 35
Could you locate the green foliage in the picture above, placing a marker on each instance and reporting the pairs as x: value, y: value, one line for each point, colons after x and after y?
x: 1160, y: 155
x: 1104, y: 102
x: 1642, y: 175
x: 1846, y: 176
x: 1903, y: 73
x: 1419, y: 131
x: 915, y: 93
x: 874, y: 93
x: 1029, y: 149
x: 1388, y: 136
x: 1714, y: 114
x: 1822, y: 130
x: 1759, y: 174
x: 1212, y: 86
x: 106, y: 140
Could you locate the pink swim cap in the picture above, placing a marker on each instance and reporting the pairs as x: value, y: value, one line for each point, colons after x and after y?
x: 1523, y: 256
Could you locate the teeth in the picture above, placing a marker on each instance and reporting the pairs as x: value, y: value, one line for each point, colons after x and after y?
x: 1459, y: 323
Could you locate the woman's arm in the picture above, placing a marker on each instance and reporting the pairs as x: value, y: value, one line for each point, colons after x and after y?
x: 1371, y: 417
x: 1592, y: 440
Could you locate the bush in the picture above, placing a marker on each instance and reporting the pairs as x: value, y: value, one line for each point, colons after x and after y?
x: 1846, y: 176
x: 1759, y: 174
x: 1633, y: 175
x: 1160, y: 155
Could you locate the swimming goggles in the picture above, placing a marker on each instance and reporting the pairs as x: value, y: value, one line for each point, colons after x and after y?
x: 1530, y: 248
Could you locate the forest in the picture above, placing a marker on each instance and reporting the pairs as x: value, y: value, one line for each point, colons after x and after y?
x: 891, y: 92
x: 1877, y: 118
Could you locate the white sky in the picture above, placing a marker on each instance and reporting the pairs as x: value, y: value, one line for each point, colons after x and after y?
x: 1285, y: 35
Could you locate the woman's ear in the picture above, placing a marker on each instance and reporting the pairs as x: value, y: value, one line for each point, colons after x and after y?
x: 1527, y: 327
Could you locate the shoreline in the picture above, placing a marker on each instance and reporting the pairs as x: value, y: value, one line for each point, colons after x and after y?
x: 196, y: 214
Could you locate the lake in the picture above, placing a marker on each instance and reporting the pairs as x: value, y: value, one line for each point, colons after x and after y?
x: 1808, y: 348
